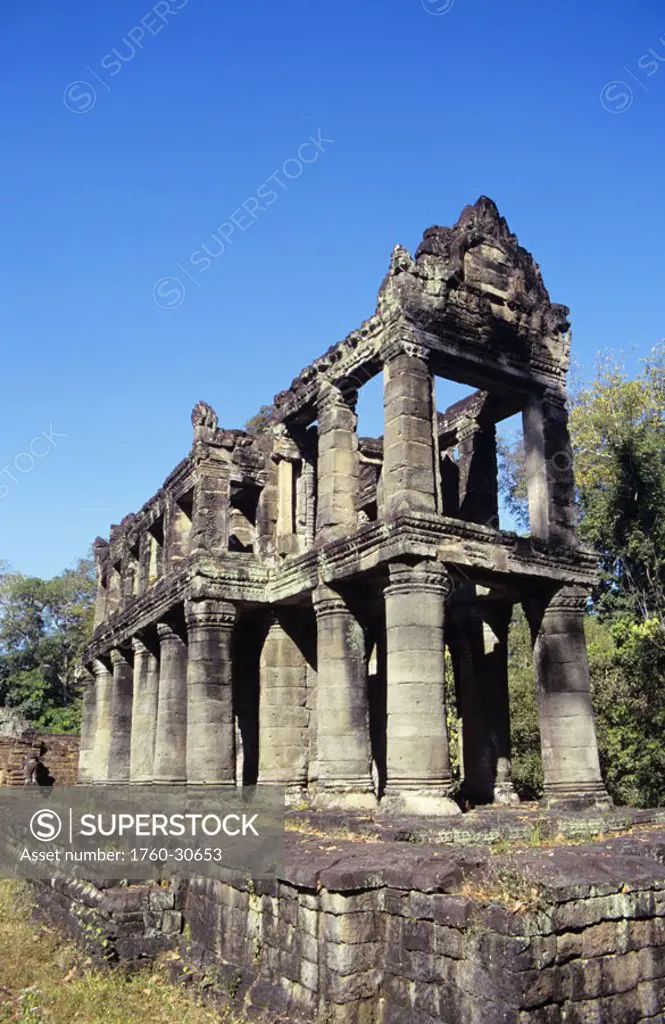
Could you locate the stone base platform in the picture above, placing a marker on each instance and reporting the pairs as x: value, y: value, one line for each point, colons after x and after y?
x: 500, y: 916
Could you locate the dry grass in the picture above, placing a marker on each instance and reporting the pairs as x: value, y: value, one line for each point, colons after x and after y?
x: 47, y: 980
x: 310, y: 831
x: 511, y: 888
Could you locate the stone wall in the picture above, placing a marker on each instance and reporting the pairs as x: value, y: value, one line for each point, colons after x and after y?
x: 397, y: 954
x: 60, y: 758
x: 396, y: 933
x: 116, y: 923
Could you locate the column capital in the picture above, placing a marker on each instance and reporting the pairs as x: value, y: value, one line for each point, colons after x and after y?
x: 400, y: 346
x: 167, y: 634
x: 468, y: 428
x: 84, y: 675
x: 334, y: 395
x: 119, y: 656
x: 284, y: 446
x: 568, y: 599
x: 427, y: 577
x: 209, y: 614
x: 138, y: 646
x: 327, y: 601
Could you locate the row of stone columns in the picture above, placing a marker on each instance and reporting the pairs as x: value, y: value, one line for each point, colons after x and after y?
x: 417, y: 755
x: 167, y: 716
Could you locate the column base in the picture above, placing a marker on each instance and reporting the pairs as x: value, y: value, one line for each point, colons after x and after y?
x: 577, y: 798
x: 228, y: 784
x: 295, y: 793
x: 344, y: 799
x: 429, y: 802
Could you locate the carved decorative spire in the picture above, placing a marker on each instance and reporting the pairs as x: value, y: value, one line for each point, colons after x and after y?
x: 204, y: 421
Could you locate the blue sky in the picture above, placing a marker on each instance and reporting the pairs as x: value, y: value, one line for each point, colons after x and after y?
x: 118, y: 167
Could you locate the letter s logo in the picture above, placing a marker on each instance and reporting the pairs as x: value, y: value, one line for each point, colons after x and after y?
x: 45, y: 826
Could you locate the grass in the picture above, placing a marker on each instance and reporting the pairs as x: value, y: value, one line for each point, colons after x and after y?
x: 513, y: 888
x: 45, y: 979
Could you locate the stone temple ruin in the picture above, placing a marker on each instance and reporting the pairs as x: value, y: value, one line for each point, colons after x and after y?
x: 279, y: 611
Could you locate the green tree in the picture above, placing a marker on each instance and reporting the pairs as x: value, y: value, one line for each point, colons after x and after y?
x: 618, y: 432
x: 259, y: 421
x: 44, y: 625
x: 626, y: 662
x: 525, y: 733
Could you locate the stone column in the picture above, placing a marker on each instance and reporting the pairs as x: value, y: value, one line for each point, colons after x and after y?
x: 121, y: 716
x: 88, y: 728
x: 211, y: 751
x: 178, y: 528
x: 104, y: 709
x: 308, y: 482
x: 482, y: 665
x: 560, y: 477
x: 343, y: 742
x: 211, y: 507
x: 567, y: 728
x: 283, y: 714
x: 171, y: 732
x: 409, y: 475
x: 127, y: 578
x: 285, y: 509
x: 478, y: 478
x: 337, y: 473
x: 417, y: 758
x: 144, y: 718
x: 101, y: 554
x: 549, y: 470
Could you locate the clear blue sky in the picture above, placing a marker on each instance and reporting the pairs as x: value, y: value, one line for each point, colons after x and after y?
x: 427, y: 111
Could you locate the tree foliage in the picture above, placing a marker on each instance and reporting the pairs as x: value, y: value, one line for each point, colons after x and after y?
x: 44, y: 625
x: 618, y: 431
x: 259, y: 420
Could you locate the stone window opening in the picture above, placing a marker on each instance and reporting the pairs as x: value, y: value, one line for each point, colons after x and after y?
x: 243, y: 505
x: 369, y: 412
x: 376, y: 698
